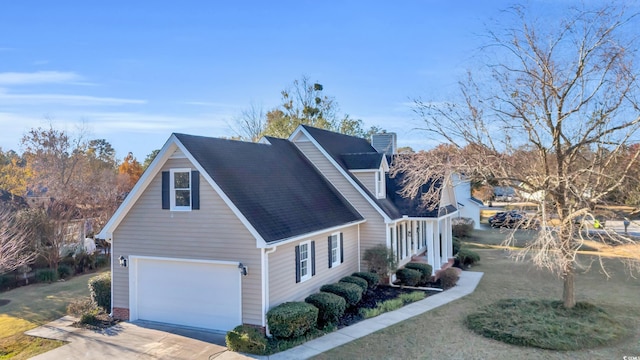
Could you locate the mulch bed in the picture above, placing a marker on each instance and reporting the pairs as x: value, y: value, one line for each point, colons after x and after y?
x: 4, y: 302
x: 370, y: 300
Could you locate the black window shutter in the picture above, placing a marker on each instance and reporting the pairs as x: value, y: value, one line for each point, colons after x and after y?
x: 297, y: 264
x: 165, y: 190
x: 313, y: 258
x: 195, y: 190
x: 329, y: 247
x: 341, y: 248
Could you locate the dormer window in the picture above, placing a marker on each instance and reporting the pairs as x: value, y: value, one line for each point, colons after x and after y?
x: 381, y: 189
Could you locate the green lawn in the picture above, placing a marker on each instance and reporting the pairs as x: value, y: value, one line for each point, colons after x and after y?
x: 34, y: 305
x: 441, y: 333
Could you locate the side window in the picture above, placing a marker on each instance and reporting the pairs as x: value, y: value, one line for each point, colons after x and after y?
x: 335, y: 247
x: 181, y: 190
x: 305, y: 261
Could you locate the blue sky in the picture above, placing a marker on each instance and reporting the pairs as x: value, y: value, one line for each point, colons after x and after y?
x: 135, y: 71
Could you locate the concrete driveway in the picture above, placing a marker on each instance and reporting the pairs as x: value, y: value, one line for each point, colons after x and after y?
x: 137, y: 340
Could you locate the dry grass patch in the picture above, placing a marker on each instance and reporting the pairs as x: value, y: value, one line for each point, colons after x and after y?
x: 547, y: 324
x: 32, y: 306
x: 441, y: 333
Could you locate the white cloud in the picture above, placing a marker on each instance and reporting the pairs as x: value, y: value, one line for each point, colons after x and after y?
x: 62, y: 99
x: 39, y: 77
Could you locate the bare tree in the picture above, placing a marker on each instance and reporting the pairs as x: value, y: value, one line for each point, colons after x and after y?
x: 15, y: 245
x: 551, y: 117
x: 250, y: 124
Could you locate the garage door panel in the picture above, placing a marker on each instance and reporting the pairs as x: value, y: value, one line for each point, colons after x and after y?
x: 188, y: 293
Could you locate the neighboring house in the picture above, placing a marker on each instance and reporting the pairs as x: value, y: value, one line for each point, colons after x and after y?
x: 216, y: 232
x: 468, y: 206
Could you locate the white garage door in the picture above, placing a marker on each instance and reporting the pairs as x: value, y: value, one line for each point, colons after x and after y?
x: 190, y: 293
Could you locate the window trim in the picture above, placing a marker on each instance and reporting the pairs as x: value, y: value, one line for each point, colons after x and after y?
x: 338, y: 260
x: 308, y: 259
x: 380, y: 184
x: 172, y: 190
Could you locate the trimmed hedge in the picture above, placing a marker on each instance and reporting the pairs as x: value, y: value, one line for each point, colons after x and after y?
x: 457, y: 244
x: 330, y: 307
x: 409, y: 277
x: 356, y: 280
x: 372, y: 278
x: 467, y: 257
x: 247, y: 339
x: 100, y: 290
x: 425, y: 270
x: 292, y: 319
x: 352, y: 293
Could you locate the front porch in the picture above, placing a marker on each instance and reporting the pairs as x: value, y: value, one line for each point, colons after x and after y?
x: 428, y: 237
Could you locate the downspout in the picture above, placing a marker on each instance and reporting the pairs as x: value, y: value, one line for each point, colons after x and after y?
x: 359, y: 253
x: 266, y: 288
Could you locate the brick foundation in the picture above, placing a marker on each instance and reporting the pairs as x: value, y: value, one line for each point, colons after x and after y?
x: 120, y: 313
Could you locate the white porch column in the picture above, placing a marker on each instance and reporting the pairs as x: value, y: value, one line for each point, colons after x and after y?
x: 430, y: 246
x: 449, y: 239
x: 437, y: 265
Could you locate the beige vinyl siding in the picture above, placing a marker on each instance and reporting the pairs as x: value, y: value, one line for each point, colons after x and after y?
x: 373, y: 231
x: 368, y: 179
x: 212, y: 233
x: 282, y: 267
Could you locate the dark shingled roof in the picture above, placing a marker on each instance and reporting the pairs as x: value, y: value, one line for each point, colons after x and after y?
x: 410, y: 206
x: 361, y: 161
x: 395, y: 206
x: 273, y: 185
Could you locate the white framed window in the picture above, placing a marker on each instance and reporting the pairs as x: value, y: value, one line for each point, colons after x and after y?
x: 180, y: 189
x: 305, y: 261
x: 381, y: 190
x: 335, y: 250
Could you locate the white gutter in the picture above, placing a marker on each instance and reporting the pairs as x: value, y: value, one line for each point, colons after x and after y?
x: 314, y: 233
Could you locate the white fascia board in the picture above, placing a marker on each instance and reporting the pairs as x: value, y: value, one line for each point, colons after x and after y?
x: 386, y: 217
x: 139, y: 188
x: 307, y: 236
x: 364, y: 170
x: 259, y: 240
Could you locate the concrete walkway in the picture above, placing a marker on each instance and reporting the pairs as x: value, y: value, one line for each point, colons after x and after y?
x: 466, y: 285
x: 142, y: 340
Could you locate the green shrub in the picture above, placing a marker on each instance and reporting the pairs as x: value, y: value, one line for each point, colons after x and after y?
x: 456, y: 245
x: 46, y: 275
x: 356, y: 280
x: 414, y: 296
x: 89, y: 318
x: 330, y: 307
x: 425, y: 270
x: 84, y: 261
x: 449, y: 278
x: 380, y: 259
x: 372, y: 278
x: 381, y: 307
x: 100, y: 290
x: 292, y: 319
x: 246, y: 339
x: 467, y: 257
x: 80, y: 306
x: 352, y: 293
x: 6, y: 281
x: 462, y: 227
x: 101, y: 261
x: 68, y: 261
x: 409, y: 277
x: 64, y: 271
